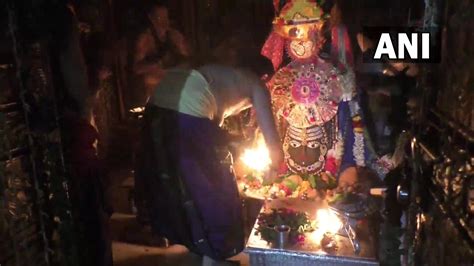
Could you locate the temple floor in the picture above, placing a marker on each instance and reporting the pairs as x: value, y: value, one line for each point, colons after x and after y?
x: 132, y: 243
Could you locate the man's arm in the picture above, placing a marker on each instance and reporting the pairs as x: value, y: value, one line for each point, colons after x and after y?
x: 262, y: 104
x: 180, y: 42
x: 141, y: 64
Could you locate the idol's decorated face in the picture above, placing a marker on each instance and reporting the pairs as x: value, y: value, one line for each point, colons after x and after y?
x: 306, y: 148
x: 302, y: 49
x: 300, y: 32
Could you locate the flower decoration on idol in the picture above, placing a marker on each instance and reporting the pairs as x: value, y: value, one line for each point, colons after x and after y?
x: 331, y: 165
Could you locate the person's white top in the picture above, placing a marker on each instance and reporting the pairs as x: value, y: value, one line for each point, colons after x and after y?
x: 213, y: 91
x: 185, y: 91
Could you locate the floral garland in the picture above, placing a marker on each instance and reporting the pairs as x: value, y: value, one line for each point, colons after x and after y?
x: 339, y: 149
x: 359, y: 147
x: 299, y: 223
x: 306, y: 186
x: 364, y: 153
x: 347, y: 81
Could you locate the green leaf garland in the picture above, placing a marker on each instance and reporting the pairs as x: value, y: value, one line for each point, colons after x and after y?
x: 299, y: 223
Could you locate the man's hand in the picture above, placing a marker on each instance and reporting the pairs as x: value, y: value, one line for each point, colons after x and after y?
x: 104, y: 73
x: 178, y: 39
x: 348, y: 178
x: 276, y: 155
x: 270, y: 176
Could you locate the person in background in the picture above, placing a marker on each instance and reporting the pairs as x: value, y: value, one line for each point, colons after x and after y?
x: 185, y: 177
x: 157, y: 47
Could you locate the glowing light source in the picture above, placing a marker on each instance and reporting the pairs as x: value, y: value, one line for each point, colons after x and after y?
x: 137, y: 110
x: 326, y: 222
x: 257, y: 159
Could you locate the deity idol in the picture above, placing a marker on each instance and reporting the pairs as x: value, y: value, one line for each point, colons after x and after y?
x: 314, y: 99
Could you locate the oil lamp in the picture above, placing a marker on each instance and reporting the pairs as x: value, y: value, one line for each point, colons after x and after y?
x: 327, y: 224
x: 257, y: 159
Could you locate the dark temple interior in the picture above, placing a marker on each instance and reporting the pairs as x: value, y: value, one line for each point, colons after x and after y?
x: 99, y: 167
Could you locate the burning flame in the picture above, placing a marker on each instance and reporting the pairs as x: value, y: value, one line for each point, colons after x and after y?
x: 137, y: 110
x: 257, y: 159
x: 327, y: 222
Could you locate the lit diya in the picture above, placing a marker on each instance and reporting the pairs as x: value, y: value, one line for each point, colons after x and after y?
x: 257, y: 159
x: 254, y: 164
x: 327, y: 225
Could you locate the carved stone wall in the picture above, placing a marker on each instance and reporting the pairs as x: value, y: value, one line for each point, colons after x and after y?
x: 456, y: 90
x: 441, y: 221
x: 36, y: 226
x: 444, y: 245
x: 23, y: 238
